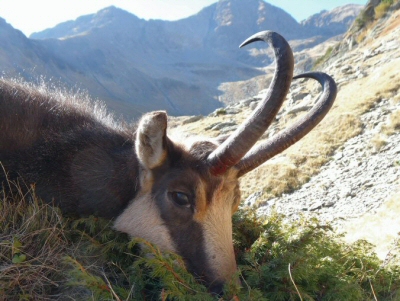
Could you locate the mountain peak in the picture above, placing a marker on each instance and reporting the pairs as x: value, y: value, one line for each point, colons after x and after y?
x: 234, y: 20
x: 108, y: 16
x: 114, y: 12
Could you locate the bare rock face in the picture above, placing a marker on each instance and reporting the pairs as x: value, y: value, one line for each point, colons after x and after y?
x: 234, y: 19
x: 333, y: 22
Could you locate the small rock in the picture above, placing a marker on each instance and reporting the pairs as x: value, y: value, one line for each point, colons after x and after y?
x: 299, y: 96
x: 246, y: 102
x: 328, y: 204
x: 252, y: 199
x: 298, y: 109
x: 232, y: 111
x: 222, y: 125
x: 315, y: 206
x: 212, y: 125
x: 253, y: 105
x: 346, y: 69
x: 192, y: 119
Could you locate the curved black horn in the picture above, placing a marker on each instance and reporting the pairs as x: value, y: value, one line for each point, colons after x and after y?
x: 237, y: 145
x: 296, y: 131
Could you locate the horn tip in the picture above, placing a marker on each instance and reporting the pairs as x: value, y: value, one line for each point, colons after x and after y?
x: 260, y: 36
x: 266, y: 35
x: 248, y: 41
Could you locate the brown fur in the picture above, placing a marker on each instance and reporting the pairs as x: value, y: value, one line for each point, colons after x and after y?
x: 89, y: 164
x: 70, y: 148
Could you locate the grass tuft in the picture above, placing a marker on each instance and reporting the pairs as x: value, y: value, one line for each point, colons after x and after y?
x: 45, y: 256
x: 31, y: 240
x: 378, y: 142
x: 393, y: 126
x: 382, y: 8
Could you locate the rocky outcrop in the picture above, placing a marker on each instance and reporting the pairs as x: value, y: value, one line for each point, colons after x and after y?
x: 364, y: 173
x: 359, y: 178
x: 334, y: 22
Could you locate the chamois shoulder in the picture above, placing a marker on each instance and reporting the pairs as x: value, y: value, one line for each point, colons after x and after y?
x: 29, y: 111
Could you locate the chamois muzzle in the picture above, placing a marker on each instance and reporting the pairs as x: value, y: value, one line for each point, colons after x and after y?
x: 217, y: 289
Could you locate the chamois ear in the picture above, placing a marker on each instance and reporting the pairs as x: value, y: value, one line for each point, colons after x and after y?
x: 151, y: 139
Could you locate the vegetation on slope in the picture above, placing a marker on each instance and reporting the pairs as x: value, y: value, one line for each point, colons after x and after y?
x: 373, y: 13
x: 343, y: 122
x: 45, y: 256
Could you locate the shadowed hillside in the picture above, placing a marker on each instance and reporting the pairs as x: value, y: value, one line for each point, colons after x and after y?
x: 137, y: 66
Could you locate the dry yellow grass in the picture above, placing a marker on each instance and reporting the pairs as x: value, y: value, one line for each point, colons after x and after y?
x: 378, y: 141
x: 31, y: 241
x: 394, y: 124
x: 393, y: 24
x: 381, y: 9
x: 342, y: 122
x: 296, y: 165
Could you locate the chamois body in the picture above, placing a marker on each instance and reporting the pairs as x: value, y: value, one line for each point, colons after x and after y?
x: 83, y: 161
x: 72, y: 152
x: 177, y: 193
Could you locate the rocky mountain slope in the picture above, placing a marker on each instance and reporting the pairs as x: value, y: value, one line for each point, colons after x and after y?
x: 137, y: 66
x: 331, y: 23
x: 346, y: 172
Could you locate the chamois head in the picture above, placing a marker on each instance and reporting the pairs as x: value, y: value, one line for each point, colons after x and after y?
x: 190, y: 189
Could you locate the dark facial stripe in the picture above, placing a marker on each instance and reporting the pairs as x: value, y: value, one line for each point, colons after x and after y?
x: 186, y: 233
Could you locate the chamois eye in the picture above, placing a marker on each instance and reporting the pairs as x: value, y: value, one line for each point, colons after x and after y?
x: 181, y: 199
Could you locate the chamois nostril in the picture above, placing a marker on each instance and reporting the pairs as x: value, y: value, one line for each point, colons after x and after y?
x: 217, y: 289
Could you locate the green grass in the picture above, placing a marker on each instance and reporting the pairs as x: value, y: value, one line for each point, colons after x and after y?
x: 382, y: 8
x: 46, y: 256
x: 323, y: 58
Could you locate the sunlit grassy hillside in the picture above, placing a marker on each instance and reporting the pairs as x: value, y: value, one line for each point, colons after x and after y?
x: 357, y: 96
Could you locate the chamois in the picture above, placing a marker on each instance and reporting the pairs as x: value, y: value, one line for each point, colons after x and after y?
x: 177, y: 193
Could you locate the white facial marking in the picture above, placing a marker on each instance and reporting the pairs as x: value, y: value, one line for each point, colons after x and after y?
x: 142, y: 219
x: 217, y: 226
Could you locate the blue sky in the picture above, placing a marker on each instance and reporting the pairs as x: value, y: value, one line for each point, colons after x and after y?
x: 36, y: 15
